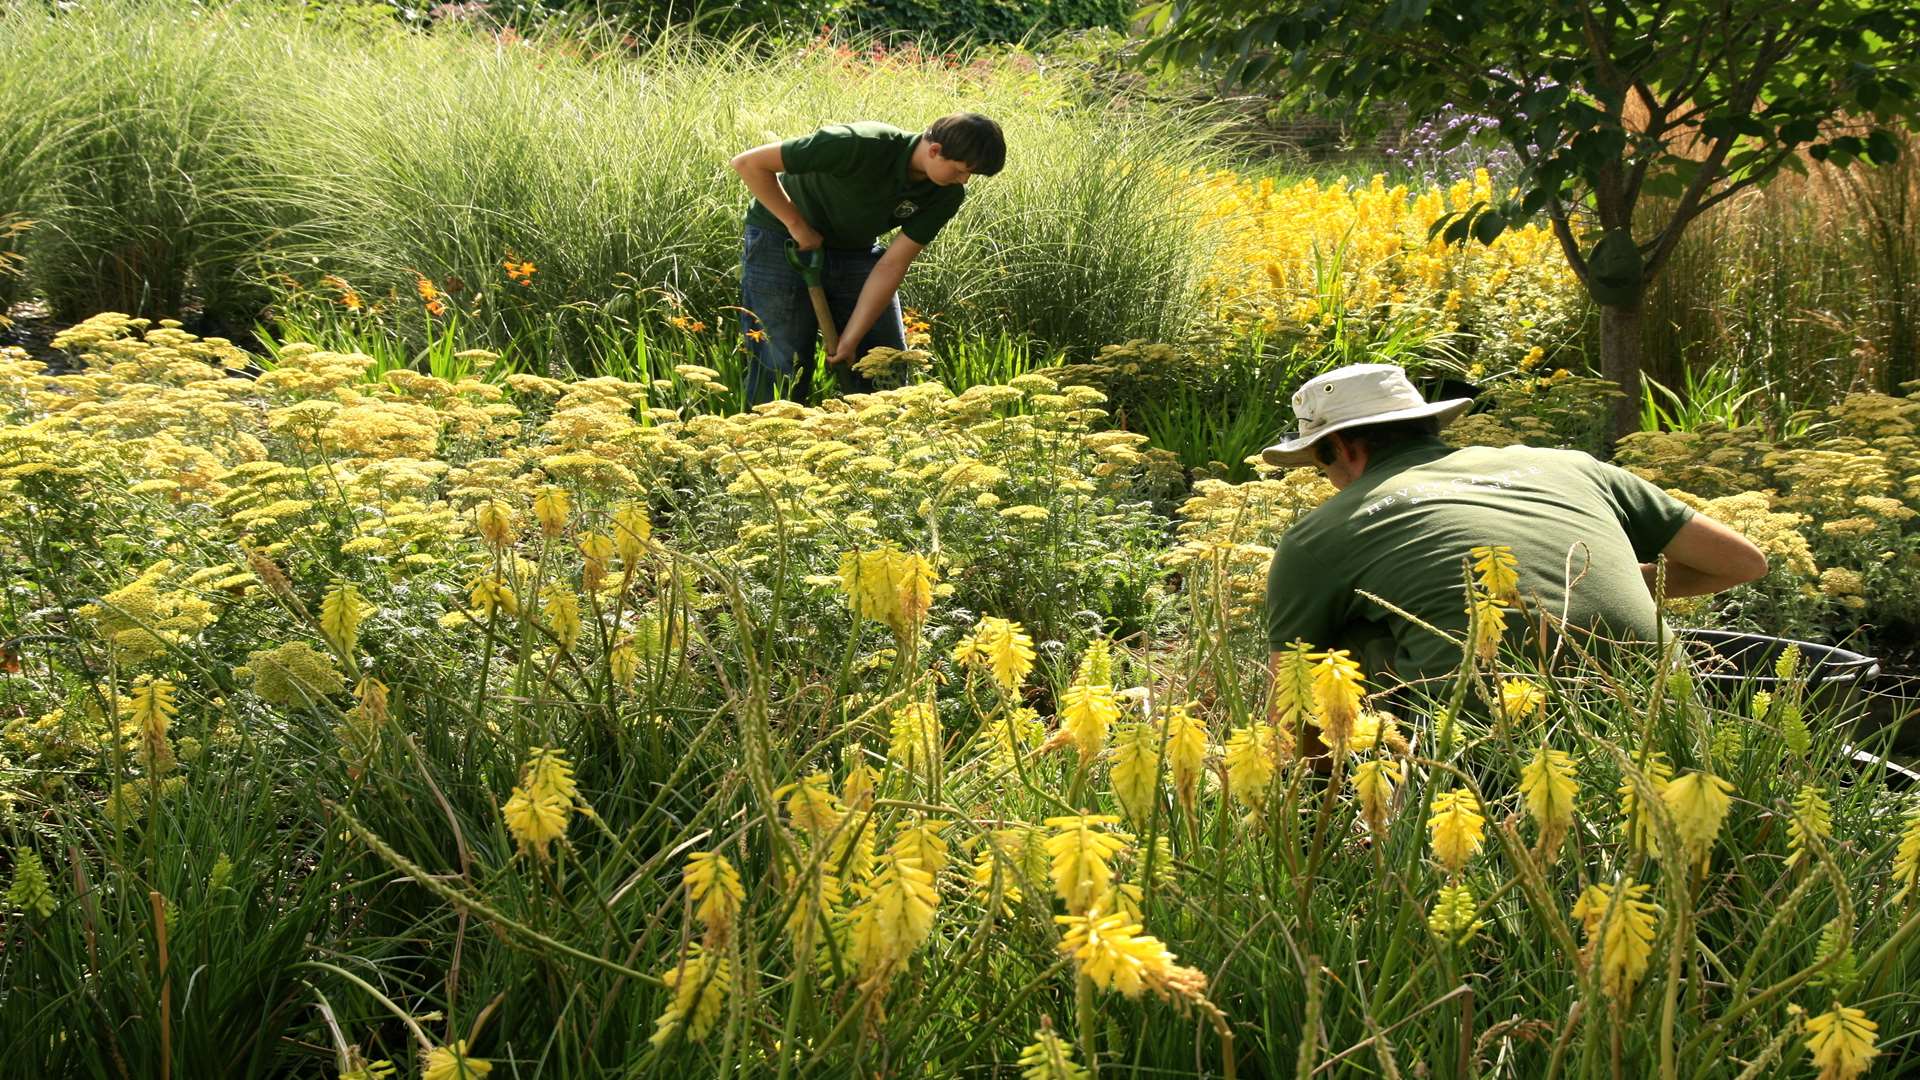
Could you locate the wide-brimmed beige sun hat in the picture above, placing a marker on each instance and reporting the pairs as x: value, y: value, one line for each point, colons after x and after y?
x: 1350, y: 397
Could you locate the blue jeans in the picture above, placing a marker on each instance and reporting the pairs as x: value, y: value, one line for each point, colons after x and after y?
x: 776, y: 305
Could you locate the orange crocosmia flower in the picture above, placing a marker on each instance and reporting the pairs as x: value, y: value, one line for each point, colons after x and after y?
x: 426, y: 289
x: 756, y: 335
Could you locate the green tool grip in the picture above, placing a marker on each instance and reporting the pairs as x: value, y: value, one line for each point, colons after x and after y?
x: 809, y: 265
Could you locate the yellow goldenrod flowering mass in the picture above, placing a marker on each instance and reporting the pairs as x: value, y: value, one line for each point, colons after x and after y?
x: 1300, y: 258
x: 1840, y: 1042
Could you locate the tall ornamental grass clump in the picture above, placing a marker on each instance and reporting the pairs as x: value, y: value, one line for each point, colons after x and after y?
x: 127, y: 152
x: 534, y: 191
x: 415, y: 727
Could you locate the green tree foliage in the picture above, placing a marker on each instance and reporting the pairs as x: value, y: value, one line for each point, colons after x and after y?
x: 984, y: 20
x: 1631, y: 118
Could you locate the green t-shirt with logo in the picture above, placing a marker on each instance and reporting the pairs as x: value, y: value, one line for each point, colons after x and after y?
x: 1402, y: 531
x: 850, y: 182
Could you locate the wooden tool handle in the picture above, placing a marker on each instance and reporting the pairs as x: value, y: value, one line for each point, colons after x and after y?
x: 824, y: 315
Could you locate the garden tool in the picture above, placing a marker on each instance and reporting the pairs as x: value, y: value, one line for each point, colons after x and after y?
x: 810, y: 265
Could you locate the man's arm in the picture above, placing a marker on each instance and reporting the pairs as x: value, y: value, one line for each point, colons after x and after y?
x: 760, y: 168
x: 875, y: 296
x: 1705, y: 557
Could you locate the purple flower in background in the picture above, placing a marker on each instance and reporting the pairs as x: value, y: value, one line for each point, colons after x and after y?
x: 1425, y: 157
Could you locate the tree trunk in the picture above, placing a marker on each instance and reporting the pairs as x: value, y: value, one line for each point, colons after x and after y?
x: 1620, y: 361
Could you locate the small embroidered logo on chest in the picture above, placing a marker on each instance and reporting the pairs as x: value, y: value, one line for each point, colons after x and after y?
x: 906, y: 208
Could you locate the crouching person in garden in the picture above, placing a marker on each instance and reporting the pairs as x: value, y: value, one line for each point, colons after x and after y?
x: 835, y: 192
x: 1573, y: 539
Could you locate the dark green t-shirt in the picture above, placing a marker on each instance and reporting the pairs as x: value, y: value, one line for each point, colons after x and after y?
x: 1402, y: 530
x: 850, y: 182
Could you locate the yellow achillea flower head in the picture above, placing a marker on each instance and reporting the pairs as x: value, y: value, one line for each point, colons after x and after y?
x: 1456, y: 827
x: 1840, y: 1041
x: 1906, y: 859
x: 1548, y: 785
x: 1003, y: 647
x: 1082, y: 858
x: 888, y: 586
x: 1087, y: 712
x: 1252, y: 757
x: 341, y: 614
x: 1622, y: 932
x: 451, y: 1062
x: 1521, y: 699
x: 713, y: 885
x: 1497, y: 572
x: 915, y: 741
x: 1186, y: 755
x: 1113, y: 954
x: 895, y: 918
x: 562, y: 610
x: 1812, y: 817
x: 1698, y: 803
x: 537, y: 811
x: 551, y: 508
x: 1373, y: 785
x: 810, y: 805
x: 1136, y: 769
x: 1633, y: 818
x: 1049, y: 1057
x: 294, y: 674
x: 1452, y: 918
x: 700, y: 985
x: 1337, y: 694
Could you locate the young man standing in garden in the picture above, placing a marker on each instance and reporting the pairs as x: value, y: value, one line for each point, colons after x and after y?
x: 1409, y: 509
x: 837, y: 191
